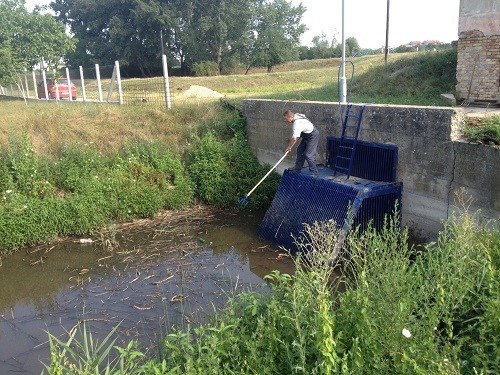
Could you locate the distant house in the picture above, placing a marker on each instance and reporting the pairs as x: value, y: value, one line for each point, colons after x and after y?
x: 431, y: 43
x: 478, y: 65
x: 414, y: 44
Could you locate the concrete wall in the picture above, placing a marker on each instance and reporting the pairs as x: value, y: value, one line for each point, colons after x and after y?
x: 478, y: 60
x: 433, y: 165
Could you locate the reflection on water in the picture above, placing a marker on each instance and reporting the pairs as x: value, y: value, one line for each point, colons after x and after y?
x: 166, y: 272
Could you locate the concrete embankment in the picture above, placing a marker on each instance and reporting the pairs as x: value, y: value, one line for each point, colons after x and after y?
x: 435, y: 165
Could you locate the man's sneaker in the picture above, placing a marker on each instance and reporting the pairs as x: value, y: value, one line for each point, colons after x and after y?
x: 295, y: 169
x: 314, y: 174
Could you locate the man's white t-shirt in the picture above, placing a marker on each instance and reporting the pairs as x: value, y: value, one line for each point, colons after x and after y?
x: 301, y: 124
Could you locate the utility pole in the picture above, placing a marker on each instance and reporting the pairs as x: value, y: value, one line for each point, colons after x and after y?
x: 387, y: 33
x: 343, y: 86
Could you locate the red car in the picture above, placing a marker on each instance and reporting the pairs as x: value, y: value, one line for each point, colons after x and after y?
x: 57, y: 89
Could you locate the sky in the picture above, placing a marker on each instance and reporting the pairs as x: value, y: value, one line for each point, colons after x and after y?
x: 366, y: 20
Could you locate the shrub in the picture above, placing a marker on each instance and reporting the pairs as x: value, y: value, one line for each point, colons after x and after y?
x: 205, y: 68
x: 28, y: 221
x: 223, y: 167
x: 82, y: 191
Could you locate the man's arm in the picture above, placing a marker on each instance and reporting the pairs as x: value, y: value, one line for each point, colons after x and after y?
x: 293, y: 140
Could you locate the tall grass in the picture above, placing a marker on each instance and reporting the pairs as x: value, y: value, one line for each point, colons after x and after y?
x: 404, y: 310
x: 73, y: 187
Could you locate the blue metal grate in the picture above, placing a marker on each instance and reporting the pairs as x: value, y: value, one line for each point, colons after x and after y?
x: 372, y: 161
x: 303, y: 199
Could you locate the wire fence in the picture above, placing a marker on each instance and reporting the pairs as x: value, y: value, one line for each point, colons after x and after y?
x: 96, y: 84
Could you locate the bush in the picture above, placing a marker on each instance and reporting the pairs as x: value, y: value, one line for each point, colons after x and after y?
x: 205, y: 68
x: 224, y: 170
x: 82, y: 190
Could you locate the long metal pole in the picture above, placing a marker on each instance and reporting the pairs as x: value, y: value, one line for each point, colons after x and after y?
x: 119, y: 80
x: 343, y: 87
x: 166, y: 82
x: 387, y: 33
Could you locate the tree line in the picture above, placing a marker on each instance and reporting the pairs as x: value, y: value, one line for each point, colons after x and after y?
x: 194, y: 34
x: 202, y: 37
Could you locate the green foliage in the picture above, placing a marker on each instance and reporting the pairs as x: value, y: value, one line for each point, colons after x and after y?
x: 27, y: 220
x: 27, y: 172
x: 30, y: 37
x: 487, y: 132
x: 411, y: 79
x: 83, y: 191
x: 223, y: 167
x: 430, y: 309
x: 205, y: 68
x: 203, y: 37
x: 277, y: 34
x: 87, y: 356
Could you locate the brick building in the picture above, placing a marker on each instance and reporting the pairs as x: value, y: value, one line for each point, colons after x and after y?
x: 478, y: 65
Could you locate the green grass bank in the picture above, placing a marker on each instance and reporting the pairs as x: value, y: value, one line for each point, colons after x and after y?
x: 65, y: 176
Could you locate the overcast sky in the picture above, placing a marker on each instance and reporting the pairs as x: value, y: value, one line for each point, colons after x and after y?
x: 366, y: 20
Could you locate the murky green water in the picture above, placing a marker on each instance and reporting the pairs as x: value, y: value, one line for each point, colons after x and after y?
x: 165, y: 272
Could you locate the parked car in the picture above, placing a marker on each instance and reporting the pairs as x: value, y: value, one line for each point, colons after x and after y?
x: 55, y: 87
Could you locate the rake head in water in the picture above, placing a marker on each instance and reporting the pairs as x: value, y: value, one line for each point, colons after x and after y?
x: 243, y: 201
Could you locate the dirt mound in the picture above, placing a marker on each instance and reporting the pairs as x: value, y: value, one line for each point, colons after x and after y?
x: 196, y: 91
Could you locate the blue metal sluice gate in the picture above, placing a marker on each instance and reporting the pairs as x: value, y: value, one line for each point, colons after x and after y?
x: 302, y: 198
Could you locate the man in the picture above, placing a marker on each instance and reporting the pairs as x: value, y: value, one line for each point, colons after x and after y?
x: 309, y: 135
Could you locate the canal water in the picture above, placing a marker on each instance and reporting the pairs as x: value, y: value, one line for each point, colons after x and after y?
x: 145, y: 277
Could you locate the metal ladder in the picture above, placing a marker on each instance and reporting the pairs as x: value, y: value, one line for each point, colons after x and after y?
x: 348, y: 140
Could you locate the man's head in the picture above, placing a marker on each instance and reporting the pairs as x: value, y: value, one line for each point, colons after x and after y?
x: 288, y: 116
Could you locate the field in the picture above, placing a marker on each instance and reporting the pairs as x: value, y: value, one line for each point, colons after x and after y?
x: 410, y: 78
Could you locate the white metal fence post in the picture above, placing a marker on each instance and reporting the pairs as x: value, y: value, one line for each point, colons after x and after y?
x: 84, y: 94
x: 70, y: 94
x: 119, y: 80
x: 165, y: 79
x: 44, y: 77
x: 98, y: 76
x: 34, y: 84
x: 26, y: 84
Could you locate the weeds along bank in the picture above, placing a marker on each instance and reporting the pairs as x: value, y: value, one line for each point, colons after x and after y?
x: 73, y: 170
x: 403, y: 310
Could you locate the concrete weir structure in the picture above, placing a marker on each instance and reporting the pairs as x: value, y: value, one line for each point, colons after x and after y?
x: 438, y: 169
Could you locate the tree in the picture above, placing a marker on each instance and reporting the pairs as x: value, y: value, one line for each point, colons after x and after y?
x: 321, y: 47
x: 259, y: 32
x: 351, y: 46
x: 125, y: 30
x: 275, y: 34
x: 209, y: 30
x: 222, y: 25
x: 26, y: 39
